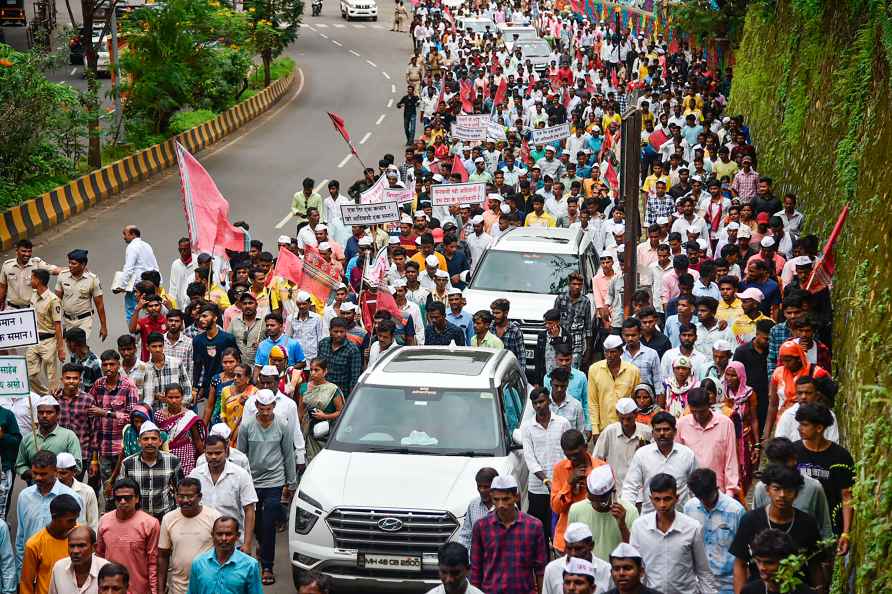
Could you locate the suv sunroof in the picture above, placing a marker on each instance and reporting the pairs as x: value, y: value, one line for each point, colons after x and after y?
x: 439, y: 361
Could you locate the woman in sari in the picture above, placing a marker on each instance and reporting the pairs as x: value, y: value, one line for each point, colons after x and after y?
x: 187, y: 430
x: 323, y: 401
x: 740, y: 406
x: 229, y: 359
x: 234, y: 397
x: 678, y: 385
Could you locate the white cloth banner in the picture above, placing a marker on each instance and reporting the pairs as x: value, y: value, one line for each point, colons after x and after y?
x: 380, y: 192
x: 449, y: 194
x: 370, y: 214
x: 546, y: 135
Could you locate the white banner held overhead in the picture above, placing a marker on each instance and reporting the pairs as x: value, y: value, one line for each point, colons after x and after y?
x: 14, y: 377
x: 470, y: 128
x: 546, y: 135
x: 380, y: 192
x: 449, y: 194
x: 370, y: 214
x: 18, y: 328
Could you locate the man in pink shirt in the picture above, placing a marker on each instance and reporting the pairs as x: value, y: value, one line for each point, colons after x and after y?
x: 768, y: 254
x: 601, y: 286
x: 712, y: 439
x: 669, y: 289
x: 129, y: 536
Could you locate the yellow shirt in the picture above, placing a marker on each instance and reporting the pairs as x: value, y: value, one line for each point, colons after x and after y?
x: 651, y: 180
x: 419, y: 259
x: 218, y: 295
x: 534, y: 220
x: 744, y: 327
x: 41, y: 552
x: 604, y: 391
x: 729, y: 312
x: 606, y: 119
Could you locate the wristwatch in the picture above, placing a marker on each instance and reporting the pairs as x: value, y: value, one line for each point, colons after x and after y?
x: 109, y: 413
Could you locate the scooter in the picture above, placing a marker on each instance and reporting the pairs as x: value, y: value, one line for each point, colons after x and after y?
x: 317, y: 7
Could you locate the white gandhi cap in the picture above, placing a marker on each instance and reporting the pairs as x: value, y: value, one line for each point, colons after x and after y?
x: 600, y: 481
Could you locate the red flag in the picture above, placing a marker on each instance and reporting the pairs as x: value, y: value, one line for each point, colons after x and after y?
x: 207, y: 211
x: 565, y: 99
x: 822, y: 275
x: 440, y: 96
x: 288, y: 266
x: 320, y: 277
x: 673, y: 47
x: 589, y: 84
x: 449, y: 18
x: 459, y: 168
x: 614, y: 80
x: 338, y: 123
x: 611, y: 176
x: 525, y: 154
x: 657, y: 138
x: 382, y: 300
x: 501, y: 92
x: 466, y: 94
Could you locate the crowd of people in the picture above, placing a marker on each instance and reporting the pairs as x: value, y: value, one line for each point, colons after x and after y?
x: 687, y: 444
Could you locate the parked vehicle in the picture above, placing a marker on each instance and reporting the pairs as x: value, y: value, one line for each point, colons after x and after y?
x: 359, y: 9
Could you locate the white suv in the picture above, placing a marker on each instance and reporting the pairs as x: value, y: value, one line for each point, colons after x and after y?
x: 529, y: 266
x: 359, y: 9
x: 396, y: 476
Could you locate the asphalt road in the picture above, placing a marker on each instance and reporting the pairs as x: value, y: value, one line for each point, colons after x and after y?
x: 355, y: 69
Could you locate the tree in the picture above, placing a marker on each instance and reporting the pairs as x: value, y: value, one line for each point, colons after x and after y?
x: 711, y: 19
x: 274, y: 25
x: 182, y: 53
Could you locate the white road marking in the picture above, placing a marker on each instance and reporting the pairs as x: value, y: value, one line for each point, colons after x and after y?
x: 321, y: 25
x: 323, y: 36
x: 73, y: 71
x: 389, y: 103
x: 355, y: 53
x: 355, y: 26
x: 337, y: 43
x: 339, y: 25
x: 383, y: 115
x: 393, y: 88
x: 366, y: 137
x: 377, y: 26
x: 370, y: 63
x: 344, y: 160
x: 387, y: 76
x: 287, y: 218
x: 306, y: 26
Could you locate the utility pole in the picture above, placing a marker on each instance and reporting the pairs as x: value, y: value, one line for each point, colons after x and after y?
x: 629, y: 181
x: 116, y: 75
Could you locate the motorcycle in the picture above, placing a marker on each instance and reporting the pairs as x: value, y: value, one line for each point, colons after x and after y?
x: 317, y: 7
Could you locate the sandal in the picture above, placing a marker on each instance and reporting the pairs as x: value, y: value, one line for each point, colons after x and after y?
x: 268, y: 579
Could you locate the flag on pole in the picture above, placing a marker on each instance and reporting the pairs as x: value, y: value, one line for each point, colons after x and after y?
x: 207, y: 211
x: 657, y: 138
x: 822, y: 275
x: 459, y: 168
x: 320, y: 277
x: 288, y: 266
x: 339, y: 125
x: 501, y: 92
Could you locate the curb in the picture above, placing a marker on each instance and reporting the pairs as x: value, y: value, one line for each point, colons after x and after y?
x: 48, y: 210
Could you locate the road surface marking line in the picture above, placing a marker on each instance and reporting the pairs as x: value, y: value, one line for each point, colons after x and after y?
x: 359, y: 26
x: 370, y: 63
x: 287, y: 218
x: 390, y: 103
x: 344, y: 160
x: 387, y: 76
x: 337, y: 43
x: 382, y: 116
x: 366, y: 137
x: 340, y: 25
x: 355, y: 53
x: 393, y: 88
x: 73, y: 71
x: 323, y: 36
x: 321, y: 25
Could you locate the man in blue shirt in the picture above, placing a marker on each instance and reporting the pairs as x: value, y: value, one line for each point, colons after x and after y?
x: 275, y: 336
x: 578, y: 386
x: 224, y: 569
x: 457, y: 316
x: 8, y: 583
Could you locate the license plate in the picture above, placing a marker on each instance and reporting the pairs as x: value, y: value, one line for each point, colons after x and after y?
x: 530, y: 354
x: 389, y: 562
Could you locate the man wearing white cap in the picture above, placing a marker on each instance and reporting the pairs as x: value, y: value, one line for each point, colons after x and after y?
x: 579, y: 543
x: 619, y: 441
x: 671, y: 543
x: 608, y: 381
x: 627, y: 571
x: 478, y: 241
x: 268, y: 442
x: 607, y: 516
x: 508, y: 547
x: 578, y: 577
x: 234, y: 455
x: 157, y: 473
x: 48, y: 436
x: 66, y: 470
x: 305, y: 325
x: 744, y: 326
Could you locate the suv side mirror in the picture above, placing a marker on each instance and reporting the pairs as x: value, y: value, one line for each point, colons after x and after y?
x: 321, y: 429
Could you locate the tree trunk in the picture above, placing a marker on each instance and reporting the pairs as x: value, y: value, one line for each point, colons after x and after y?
x: 267, y: 62
x: 94, y: 151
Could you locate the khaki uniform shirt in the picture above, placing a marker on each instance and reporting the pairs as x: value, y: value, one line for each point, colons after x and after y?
x: 17, y: 279
x: 48, y: 310
x: 78, y: 293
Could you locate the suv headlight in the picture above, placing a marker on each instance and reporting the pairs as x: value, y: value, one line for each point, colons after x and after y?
x: 304, y: 519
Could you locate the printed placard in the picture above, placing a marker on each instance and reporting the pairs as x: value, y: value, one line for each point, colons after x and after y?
x: 18, y: 328
x: 370, y: 214
x: 14, y: 376
x: 449, y: 194
x: 551, y: 134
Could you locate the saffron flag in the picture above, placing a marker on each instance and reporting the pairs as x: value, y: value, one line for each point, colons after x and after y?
x: 459, y: 168
x: 611, y: 176
x: 320, y: 277
x: 288, y: 266
x: 822, y: 275
x: 207, y: 211
x: 657, y: 138
x: 339, y: 125
x: 501, y: 91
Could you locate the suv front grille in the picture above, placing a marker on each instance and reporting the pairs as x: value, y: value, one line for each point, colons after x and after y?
x: 419, y: 531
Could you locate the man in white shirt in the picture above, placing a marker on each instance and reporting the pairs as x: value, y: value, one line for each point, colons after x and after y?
x: 664, y: 456
x: 671, y: 544
x: 806, y: 393
x: 454, y: 564
x: 227, y: 488
x: 305, y: 326
x: 138, y: 258
x: 619, y: 441
x: 478, y: 241
x: 66, y: 467
x: 579, y: 545
x: 81, y: 561
x: 182, y: 272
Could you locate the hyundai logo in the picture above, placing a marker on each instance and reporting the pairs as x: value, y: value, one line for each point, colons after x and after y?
x: 390, y: 524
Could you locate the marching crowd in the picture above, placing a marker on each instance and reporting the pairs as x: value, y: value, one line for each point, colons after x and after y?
x: 687, y: 445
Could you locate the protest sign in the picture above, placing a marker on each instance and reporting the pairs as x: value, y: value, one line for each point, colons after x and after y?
x: 18, y: 328
x: 551, y: 134
x: 13, y: 376
x: 370, y: 214
x: 495, y: 131
x: 449, y: 194
x: 468, y: 134
x: 380, y: 192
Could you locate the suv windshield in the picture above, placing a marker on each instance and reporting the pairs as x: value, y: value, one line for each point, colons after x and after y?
x: 521, y: 272
x: 534, y: 49
x: 408, y: 420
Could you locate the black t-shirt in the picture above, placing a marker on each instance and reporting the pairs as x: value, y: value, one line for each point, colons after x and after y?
x: 756, y: 365
x: 660, y: 343
x: 409, y: 103
x: 758, y: 587
x: 803, y: 530
x: 834, y: 468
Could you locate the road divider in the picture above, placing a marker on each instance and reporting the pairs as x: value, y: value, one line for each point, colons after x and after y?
x: 52, y: 208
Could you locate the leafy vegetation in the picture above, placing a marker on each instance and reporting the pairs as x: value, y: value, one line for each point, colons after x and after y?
x: 813, y: 81
x: 274, y: 25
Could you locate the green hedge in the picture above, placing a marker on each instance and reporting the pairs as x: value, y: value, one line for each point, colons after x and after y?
x: 812, y: 78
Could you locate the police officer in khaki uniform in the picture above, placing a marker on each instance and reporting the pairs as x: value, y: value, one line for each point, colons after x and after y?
x: 43, y: 358
x: 79, y: 289
x: 15, y: 275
